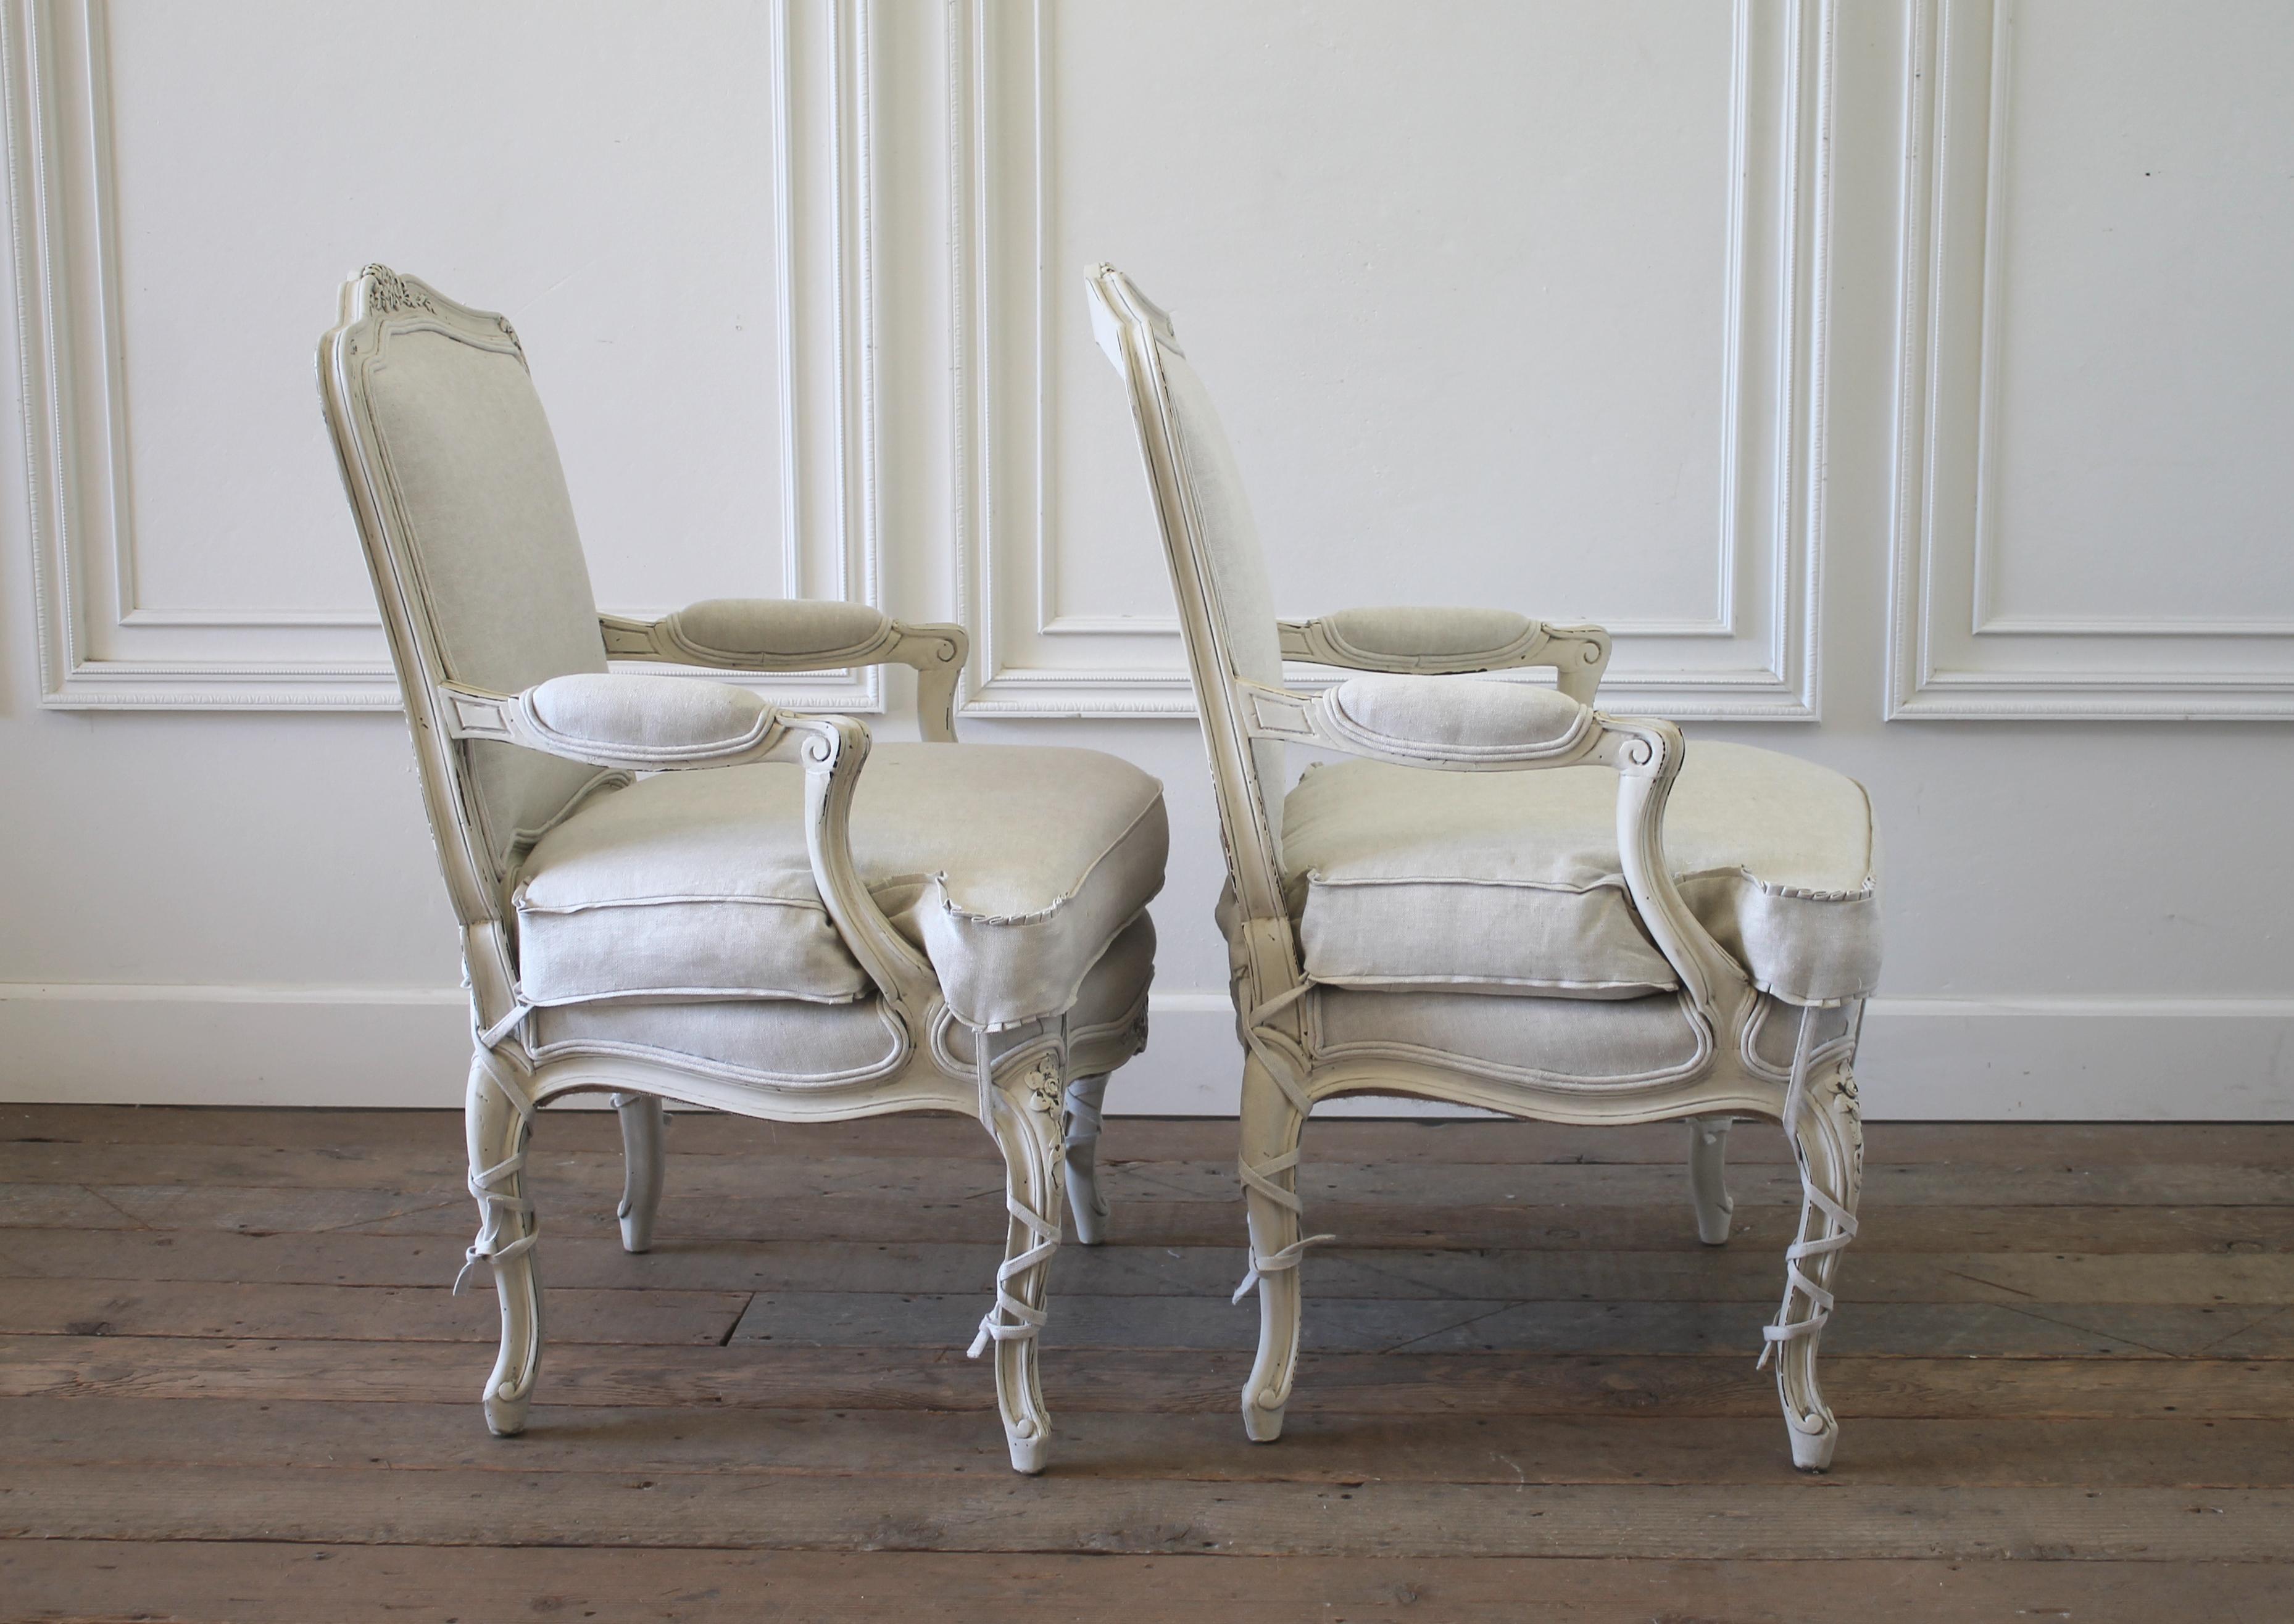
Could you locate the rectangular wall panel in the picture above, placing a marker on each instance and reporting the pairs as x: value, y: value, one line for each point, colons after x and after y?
x: 1552, y: 340
x: 676, y: 218
x: 2097, y: 372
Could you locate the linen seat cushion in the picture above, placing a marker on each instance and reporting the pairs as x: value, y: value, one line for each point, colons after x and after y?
x: 789, y: 1042
x: 1011, y: 868
x: 1509, y: 882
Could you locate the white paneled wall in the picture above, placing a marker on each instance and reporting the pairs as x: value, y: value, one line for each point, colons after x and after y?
x: 1908, y: 383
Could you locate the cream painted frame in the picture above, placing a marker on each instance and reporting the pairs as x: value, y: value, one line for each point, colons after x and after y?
x: 77, y: 497
x: 1038, y: 1094
x: 1773, y: 391
x: 1287, y: 1072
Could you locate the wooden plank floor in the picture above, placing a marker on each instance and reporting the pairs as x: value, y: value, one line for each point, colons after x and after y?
x: 234, y: 1387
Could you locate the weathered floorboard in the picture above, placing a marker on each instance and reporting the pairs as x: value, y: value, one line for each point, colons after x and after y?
x: 1204, y: 1382
x: 237, y: 1387
x: 269, y: 1583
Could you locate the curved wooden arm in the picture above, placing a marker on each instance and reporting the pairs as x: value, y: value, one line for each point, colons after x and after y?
x: 1435, y: 641
x: 1648, y: 753
x: 834, y: 749
x: 796, y: 634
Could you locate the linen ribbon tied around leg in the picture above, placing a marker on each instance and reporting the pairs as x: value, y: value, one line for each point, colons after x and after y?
x: 1287, y: 1257
x: 490, y: 1185
x: 1260, y: 1177
x: 1837, y: 1229
x: 1010, y: 1320
x: 1083, y: 1118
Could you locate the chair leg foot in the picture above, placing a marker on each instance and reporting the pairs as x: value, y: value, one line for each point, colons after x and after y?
x: 1272, y: 1124
x: 498, y: 1118
x: 644, y: 1168
x: 1084, y: 1201
x: 506, y: 1415
x: 1828, y: 1143
x: 1812, y: 1451
x: 1024, y: 1116
x: 1708, y: 1177
x: 1261, y: 1425
x: 1029, y: 1456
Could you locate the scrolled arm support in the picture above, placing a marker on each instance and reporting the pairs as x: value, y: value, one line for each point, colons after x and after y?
x: 796, y: 634
x: 834, y: 749
x: 1441, y: 642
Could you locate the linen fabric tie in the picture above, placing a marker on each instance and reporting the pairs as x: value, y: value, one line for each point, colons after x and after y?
x: 1835, y: 1228
x: 1011, y: 1319
x: 492, y: 1185
x: 1259, y: 1176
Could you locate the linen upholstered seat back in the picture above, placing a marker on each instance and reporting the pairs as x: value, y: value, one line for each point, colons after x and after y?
x: 1218, y: 569
x: 467, y: 529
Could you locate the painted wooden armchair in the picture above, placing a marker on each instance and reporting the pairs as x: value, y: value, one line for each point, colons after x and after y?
x: 1513, y: 900
x: 670, y: 889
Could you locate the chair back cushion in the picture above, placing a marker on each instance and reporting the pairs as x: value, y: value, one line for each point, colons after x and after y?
x: 1218, y: 572
x: 471, y: 538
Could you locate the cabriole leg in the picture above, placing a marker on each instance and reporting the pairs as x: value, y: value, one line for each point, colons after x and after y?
x: 643, y: 1168
x: 498, y: 1118
x: 1273, y: 1119
x: 1084, y: 1198
x: 1708, y: 1177
x: 1827, y: 1137
x: 1024, y: 1113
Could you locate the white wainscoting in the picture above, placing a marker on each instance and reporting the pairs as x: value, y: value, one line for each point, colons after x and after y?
x: 1908, y: 383
x: 1028, y: 432
x: 204, y: 421
x: 2096, y: 353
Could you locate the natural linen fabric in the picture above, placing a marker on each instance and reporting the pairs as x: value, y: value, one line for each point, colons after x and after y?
x: 1407, y: 632
x: 781, y: 1041
x: 1553, y: 1039
x: 467, y: 449
x: 1012, y: 866
x: 1511, y: 882
x: 1497, y: 720
x: 1234, y: 567
x: 792, y: 627
x: 610, y: 711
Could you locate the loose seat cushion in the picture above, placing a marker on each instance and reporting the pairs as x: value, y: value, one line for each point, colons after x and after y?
x: 1012, y: 867
x: 789, y: 1042
x: 1509, y: 881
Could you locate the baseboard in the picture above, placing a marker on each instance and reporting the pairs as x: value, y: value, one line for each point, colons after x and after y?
x: 2058, y: 1059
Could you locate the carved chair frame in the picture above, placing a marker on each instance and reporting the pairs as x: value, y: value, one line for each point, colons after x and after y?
x: 1287, y: 1070
x: 1037, y: 1088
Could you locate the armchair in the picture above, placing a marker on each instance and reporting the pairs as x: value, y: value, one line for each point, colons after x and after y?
x: 1511, y: 900
x: 669, y: 888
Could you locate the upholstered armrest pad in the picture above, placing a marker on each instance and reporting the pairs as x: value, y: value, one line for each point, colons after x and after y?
x: 727, y: 630
x: 643, y: 721
x: 1383, y: 638
x: 1457, y: 718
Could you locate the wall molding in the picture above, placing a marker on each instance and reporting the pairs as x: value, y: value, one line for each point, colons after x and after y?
x: 100, y: 647
x: 1760, y: 657
x: 1952, y: 654
x: 2056, y: 1059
